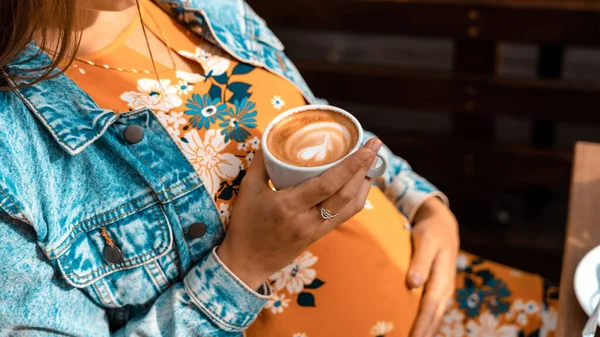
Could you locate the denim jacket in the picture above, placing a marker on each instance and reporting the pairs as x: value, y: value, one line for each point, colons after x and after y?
x: 68, y: 176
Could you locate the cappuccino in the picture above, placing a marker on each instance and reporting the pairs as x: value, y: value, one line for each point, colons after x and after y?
x: 312, y: 138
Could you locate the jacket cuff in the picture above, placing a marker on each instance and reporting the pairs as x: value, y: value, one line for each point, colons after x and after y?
x: 222, y: 296
x: 409, y: 191
x: 420, y: 200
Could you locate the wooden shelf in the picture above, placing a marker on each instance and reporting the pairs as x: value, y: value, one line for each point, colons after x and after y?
x: 445, y: 91
x: 481, y: 166
x: 572, y: 22
x: 569, y: 5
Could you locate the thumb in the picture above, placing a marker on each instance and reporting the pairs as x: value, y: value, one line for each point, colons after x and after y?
x: 257, y: 173
x: 420, y: 266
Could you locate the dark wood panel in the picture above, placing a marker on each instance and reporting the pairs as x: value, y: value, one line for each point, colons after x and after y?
x: 567, y: 5
x: 474, y: 20
x: 500, y: 166
x: 474, y: 57
x: 427, y: 90
x: 583, y: 233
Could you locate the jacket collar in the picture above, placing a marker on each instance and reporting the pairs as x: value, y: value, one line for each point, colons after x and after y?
x: 232, y: 24
x: 72, y: 117
x: 76, y: 121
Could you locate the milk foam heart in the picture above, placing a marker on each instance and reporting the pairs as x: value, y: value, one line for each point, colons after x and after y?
x: 312, y: 138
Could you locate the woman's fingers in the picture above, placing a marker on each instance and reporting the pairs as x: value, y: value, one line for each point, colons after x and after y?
x: 315, y: 190
x: 350, y: 209
x: 347, y: 193
x: 438, y: 291
x: 257, y: 173
x: 425, y: 250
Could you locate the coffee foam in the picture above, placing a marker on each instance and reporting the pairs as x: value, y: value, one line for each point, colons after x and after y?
x: 312, y: 138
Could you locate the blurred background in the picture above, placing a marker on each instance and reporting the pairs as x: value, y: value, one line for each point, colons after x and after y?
x: 485, y: 98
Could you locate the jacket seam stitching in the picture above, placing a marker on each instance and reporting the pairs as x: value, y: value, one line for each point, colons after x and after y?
x: 99, y: 225
x: 101, y: 295
x: 184, y: 191
x: 181, y: 183
x: 210, y: 313
x: 167, y: 188
x: 113, y: 210
x: 81, y: 223
x: 58, y: 138
x: 161, y: 275
x: 5, y: 208
x: 9, y: 212
x: 124, y: 263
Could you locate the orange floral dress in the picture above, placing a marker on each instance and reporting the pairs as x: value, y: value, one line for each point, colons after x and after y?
x: 351, y: 282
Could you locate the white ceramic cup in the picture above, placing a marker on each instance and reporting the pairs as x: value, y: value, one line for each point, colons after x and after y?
x: 284, y: 175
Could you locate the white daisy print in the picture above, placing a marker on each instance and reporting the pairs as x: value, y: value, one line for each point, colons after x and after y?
x: 184, y: 88
x: 163, y: 118
x: 462, y: 262
x: 516, y: 273
x: 518, y: 305
x: 224, y: 213
x: 381, y: 328
x: 212, y: 63
x: 488, y: 326
x: 176, y: 119
x: 368, y: 205
x: 531, y: 307
x: 300, y: 334
x: 150, y: 94
x: 82, y: 71
x: 249, y: 158
x: 173, y: 132
x: 243, y: 146
x: 206, y: 157
x: 296, y: 275
x: 522, y: 319
x: 549, y: 318
x: 454, y: 315
x: 457, y: 331
x: 189, y: 78
x: 253, y: 143
x: 277, y: 102
x: 277, y: 303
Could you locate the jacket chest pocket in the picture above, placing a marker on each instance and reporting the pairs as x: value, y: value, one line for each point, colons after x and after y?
x: 114, y: 256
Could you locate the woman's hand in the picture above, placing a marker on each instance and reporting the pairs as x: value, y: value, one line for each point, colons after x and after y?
x: 436, y: 242
x: 269, y: 229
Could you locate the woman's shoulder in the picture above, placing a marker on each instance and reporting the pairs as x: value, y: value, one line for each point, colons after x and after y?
x: 14, y: 127
x: 27, y: 155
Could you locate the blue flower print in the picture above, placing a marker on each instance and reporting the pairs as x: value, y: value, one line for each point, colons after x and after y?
x: 497, y: 297
x: 234, y: 123
x: 470, y: 299
x: 204, y: 109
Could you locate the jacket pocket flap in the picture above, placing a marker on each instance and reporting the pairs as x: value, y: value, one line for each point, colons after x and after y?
x: 134, y: 240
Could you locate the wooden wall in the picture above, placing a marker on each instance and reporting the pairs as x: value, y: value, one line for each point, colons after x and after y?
x: 442, y: 66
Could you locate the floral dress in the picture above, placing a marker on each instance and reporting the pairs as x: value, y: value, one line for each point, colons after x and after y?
x: 352, y: 281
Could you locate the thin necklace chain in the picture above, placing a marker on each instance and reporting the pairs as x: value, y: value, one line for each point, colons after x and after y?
x: 142, y: 71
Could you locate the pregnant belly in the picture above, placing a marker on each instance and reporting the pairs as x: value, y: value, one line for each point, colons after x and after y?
x: 349, y: 283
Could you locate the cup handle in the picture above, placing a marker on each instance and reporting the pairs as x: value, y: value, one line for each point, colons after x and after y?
x: 378, y: 171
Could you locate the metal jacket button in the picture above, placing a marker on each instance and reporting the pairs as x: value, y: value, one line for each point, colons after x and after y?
x: 112, y: 254
x: 134, y: 134
x: 197, y: 230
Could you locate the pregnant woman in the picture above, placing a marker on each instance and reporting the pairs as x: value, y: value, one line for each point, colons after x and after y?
x: 134, y: 198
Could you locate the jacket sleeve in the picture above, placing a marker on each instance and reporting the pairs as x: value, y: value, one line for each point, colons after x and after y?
x: 36, y: 301
x: 403, y: 187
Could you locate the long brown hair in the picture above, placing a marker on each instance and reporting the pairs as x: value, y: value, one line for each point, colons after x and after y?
x: 51, y: 23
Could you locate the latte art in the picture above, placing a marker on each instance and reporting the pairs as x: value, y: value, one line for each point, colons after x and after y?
x: 319, y: 142
x: 312, y: 138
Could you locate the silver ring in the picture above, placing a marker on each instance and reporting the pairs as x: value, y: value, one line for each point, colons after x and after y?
x: 326, y: 214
